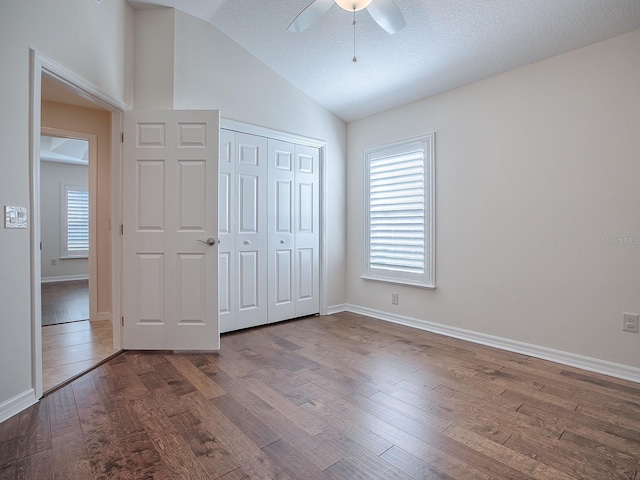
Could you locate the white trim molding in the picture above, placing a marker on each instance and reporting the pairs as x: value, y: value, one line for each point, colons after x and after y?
x: 104, y: 316
x: 336, y: 309
x: 16, y: 404
x: 64, y: 278
x: 596, y: 365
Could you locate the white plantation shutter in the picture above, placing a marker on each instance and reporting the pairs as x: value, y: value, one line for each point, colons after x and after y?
x: 396, y: 213
x: 399, y: 230
x: 75, y: 231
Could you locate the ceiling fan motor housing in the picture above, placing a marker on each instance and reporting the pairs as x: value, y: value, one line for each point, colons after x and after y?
x: 353, y: 5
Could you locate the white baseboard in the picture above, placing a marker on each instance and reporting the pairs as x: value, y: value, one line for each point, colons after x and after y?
x: 16, y: 404
x: 65, y: 278
x: 104, y: 316
x: 336, y: 309
x: 565, y: 358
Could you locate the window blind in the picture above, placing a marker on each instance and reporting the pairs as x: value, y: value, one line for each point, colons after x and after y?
x: 77, y: 224
x: 397, y: 213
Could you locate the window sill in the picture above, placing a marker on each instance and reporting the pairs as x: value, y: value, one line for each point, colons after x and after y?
x: 398, y: 281
x: 74, y: 257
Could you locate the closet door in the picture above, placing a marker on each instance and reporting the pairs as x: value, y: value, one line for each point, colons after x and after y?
x: 281, y: 220
x: 251, y: 230
x: 306, y: 231
x: 226, y: 232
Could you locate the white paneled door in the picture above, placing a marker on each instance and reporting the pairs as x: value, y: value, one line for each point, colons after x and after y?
x: 307, y: 230
x: 226, y: 232
x: 282, y: 305
x: 170, y: 230
x: 269, y: 230
x: 242, y: 225
x: 251, y: 224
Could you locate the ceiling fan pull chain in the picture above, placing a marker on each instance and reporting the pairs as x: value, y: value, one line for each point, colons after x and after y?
x: 354, y: 34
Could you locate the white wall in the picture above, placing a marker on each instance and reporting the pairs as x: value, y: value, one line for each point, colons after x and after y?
x: 51, y: 175
x: 535, y: 168
x: 213, y: 72
x: 153, y: 66
x: 93, y: 48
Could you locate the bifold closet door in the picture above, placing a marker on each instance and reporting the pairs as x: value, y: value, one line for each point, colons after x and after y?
x: 281, y: 220
x: 243, y: 231
x: 293, y: 217
x: 226, y: 232
x: 268, y: 230
x: 307, y: 230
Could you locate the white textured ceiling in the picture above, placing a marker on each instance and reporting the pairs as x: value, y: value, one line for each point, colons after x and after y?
x: 446, y: 44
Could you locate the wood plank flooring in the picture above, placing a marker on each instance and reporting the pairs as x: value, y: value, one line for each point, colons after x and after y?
x: 337, y: 397
x: 69, y: 349
x: 64, y: 302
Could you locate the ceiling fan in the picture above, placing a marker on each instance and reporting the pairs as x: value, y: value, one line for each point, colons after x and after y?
x: 384, y: 12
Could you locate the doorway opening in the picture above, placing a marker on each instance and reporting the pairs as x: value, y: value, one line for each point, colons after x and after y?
x: 75, y: 270
x: 73, y: 337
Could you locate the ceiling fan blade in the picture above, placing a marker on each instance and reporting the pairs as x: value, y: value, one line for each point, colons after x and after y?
x: 310, y: 15
x: 387, y: 15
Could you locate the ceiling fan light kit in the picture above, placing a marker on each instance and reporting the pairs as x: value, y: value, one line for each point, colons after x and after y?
x: 384, y: 12
x: 353, y: 5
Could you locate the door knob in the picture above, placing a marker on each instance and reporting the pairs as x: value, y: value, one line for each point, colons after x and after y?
x: 209, y: 241
x: 281, y: 241
x: 247, y: 242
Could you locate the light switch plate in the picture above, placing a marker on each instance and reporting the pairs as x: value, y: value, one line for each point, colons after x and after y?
x: 15, y: 217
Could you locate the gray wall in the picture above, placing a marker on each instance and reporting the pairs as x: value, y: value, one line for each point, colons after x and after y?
x: 51, y: 175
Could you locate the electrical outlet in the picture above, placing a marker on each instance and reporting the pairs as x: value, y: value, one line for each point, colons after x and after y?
x: 630, y: 322
x: 54, y: 262
x: 394, y: 299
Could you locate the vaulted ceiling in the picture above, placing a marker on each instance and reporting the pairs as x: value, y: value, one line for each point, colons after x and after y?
x: 446, y: 44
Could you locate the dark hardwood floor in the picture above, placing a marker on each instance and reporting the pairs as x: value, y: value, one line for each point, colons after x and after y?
x: 64, y: 302
x: 337, y: 397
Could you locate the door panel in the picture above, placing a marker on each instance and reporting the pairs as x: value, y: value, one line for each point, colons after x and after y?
x: 226, y: 233
x: 305, y: 275
x: 150, y: 195
x: 307, y: 234
x: 281, y: 236
x: 191, y: 295
x: 248, y: 207
x: 193, y: 175
x: 150, y: 281
x: 170, y: 198
x: 251, y: 230
x: 248, y: 272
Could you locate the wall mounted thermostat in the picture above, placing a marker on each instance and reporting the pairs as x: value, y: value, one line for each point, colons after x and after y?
x: 15, y: 217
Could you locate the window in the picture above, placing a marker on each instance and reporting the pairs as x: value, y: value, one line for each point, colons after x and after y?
x: 75, y: 220
x: 399, y: 217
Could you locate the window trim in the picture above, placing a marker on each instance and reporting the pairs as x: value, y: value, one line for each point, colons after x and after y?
x: 427, y: 144
x: 64, y: 220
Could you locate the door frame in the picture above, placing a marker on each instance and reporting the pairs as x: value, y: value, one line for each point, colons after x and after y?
x: 93, y: 191
x: 42, y: 66
x: 301, y: 140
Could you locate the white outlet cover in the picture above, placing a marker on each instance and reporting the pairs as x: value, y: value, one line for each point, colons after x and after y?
x: 15, y: 217
x: 630, y: 322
